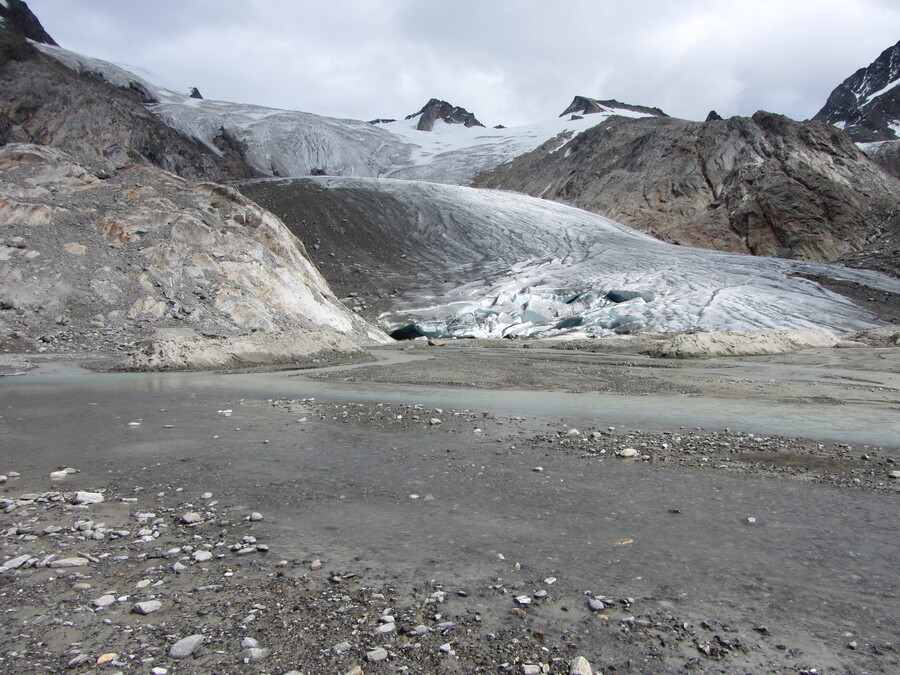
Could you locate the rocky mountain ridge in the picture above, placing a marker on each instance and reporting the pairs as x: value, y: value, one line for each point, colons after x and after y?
x: 436, y: 110
x: 867, y: 104
x: 764, y: 185
x: 582, y: 105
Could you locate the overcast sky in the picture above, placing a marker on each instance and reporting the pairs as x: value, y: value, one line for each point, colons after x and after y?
x: 508, y: 61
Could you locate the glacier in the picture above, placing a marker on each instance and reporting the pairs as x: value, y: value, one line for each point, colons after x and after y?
x: 488, y: 264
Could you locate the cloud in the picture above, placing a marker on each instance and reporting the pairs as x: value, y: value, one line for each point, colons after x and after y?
x: 507, y: 61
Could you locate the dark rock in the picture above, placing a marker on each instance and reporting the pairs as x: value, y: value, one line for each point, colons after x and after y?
x: 16, y: 17
x: 382, y: 120
x: 195, y: 93
x: 436, y: 109
x: 861, y: 107
x: 587, y: 106
x: 713, y: 116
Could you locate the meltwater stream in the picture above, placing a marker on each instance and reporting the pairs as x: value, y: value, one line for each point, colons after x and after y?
x: 849, y: 423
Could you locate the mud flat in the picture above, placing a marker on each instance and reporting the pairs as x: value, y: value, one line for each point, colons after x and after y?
x: 455, y: 508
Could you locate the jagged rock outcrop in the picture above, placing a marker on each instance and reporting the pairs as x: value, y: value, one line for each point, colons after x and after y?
x: 44, y: 102
x: 97, y: 260
x: 15, y: 16
x: 582, y: 105
x: 764, y: 185
x: 436, y: 110
x: 867, y: 104
x: 713, y: 116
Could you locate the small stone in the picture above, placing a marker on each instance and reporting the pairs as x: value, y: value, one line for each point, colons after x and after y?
x: 895, y: 475
x: 179, y: 568
x: 530, y: 669
x: 186, y: 646
x: 191, y: 517
x: 68, y: 562
x: 201, y: 556
x: 627, y: 452
x: 146, y: 607
x: 595, y: 605
x: 751, y: 520
x: 206, y: 495
x: 158, y: 671
x: 315, y: 565
x: 254, y: 654
x: 376, y: 655
x: 342, y: 647
x: 249, y: 643
x: 580, y: 666
x: 87, y: 498
x: 107, y: 658
x: 104, y: 601
x: 523, y: 599
x: 385, y: 628
x: 355, y: 670
x: 255, y: 516
x: 434, y: 421
x: 59, y: 475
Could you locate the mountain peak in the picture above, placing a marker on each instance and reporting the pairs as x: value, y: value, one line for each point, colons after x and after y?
x: 867, y: 104
x: 15, y: 16
x: 436, y: 109
x: 583, y: 105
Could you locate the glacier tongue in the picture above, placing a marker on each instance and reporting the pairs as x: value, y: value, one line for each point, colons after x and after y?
x: 485, y: 263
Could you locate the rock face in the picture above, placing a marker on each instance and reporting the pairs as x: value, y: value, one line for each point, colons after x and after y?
x: 764, y: 185
x: 96, y: 260
x: 16, y: 17
x: 436, y: 110
x: 582, y: 105
x: 867, y: 104
x: 44, y: 102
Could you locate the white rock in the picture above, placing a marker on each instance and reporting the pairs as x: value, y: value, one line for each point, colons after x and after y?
x: 202, y: 556
x: 523, y: 599
x: 146, y: 607
x: 255, y: 516
x: 59, y: 475
x: 82, y: 497
x: 580, y: 666
x: 385, y: 628
x: 191, y: 517
x: 104, y: 601
x: 68, y: 562
x: 627, y: 452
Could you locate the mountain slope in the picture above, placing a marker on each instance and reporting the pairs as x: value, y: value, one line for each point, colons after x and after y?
x: 765, y: 185
x: 95, y: 260
x: 444, y: 260
x: 867, y: 104
x: 290, y: 143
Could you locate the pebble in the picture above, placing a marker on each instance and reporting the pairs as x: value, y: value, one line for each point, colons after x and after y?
x: 104, y: 601
x: 68, y: 562
x: 627, y: 452
x: 376, y: 655
x: 191, y: 517
x: 255, y: 516
x: 186, y: 646
x: 580, y: 666
x: 523, y: 599
x: 530, y: 669
x: 249, y: 643
x: 82, y: 497
x: 355, y: 670
x: 202, y: 556
x: 342, y: 647
x: 146, y: 607
x: 254, y: 654
x: 385, y: 628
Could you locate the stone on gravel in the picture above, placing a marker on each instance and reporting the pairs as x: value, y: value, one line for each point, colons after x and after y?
x: 191, y: 517
x: 104, y: 601
x: 531, y: 669
x: 15, y: 563
x: 186, y: 646
x: 83, y: 497
x: 355, y: 670
x: 255, y: 516
x: 146, y: 607
x: 627, y: 452
x: 254, y: 654
x: 68, y: 562
x: 376, y: 655
x: 202, y: 556
x: 341, y: 647
x: 580, y: 666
